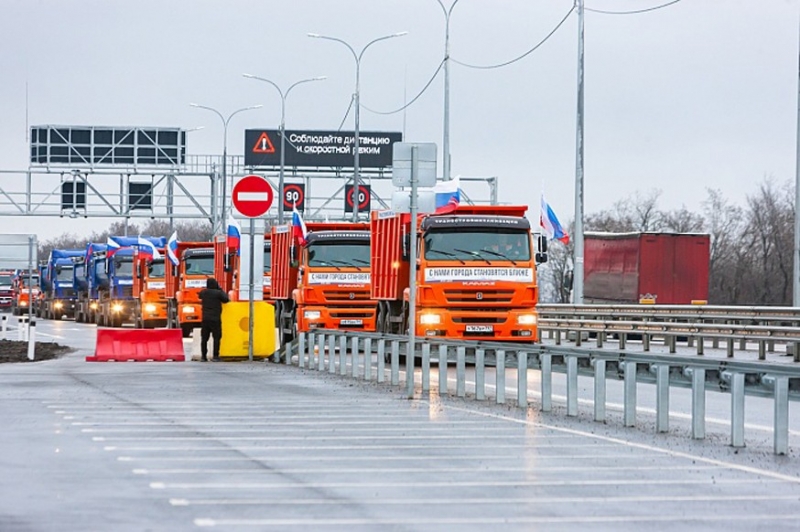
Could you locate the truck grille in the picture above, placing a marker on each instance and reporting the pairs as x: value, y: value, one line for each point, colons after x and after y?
x: 68, y: 292
x: 478, y: 295
x: 125, y: 291
x: 479, y: 319
x: 349, y: 312
x: 333, y: 296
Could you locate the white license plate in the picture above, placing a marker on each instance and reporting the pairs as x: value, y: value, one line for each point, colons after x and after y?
x: 480, y: 328
x: 351, y: 322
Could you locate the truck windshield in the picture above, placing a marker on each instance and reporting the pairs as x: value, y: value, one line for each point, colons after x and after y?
x: 64, y: 274
x: 485, y: 245
x: 267, y: 260
x: 156, y: 270
x: 199, y: 265
x: 123, y: 268
x: 339, y: 254
x: 33, y: 282
x: 5, y: 279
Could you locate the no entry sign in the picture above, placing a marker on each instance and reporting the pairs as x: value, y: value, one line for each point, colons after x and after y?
x: 252, y: 196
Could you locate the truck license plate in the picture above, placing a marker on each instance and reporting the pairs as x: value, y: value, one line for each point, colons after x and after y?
x: 351, y: 322
x: 480, y: 329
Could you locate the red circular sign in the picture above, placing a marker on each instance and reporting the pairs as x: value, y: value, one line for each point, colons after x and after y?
x: 363, y: 197
x: 252, y: 196
x: 294, y: 194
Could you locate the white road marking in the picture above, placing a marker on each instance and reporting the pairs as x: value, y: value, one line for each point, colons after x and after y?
x: 293, y: 448
x: 403, y: 470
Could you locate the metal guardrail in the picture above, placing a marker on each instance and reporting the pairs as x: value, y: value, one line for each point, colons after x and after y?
x: 764, y: 326
x: 351, y: 354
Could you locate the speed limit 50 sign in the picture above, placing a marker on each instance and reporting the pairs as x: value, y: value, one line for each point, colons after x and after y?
x: 294, y: 194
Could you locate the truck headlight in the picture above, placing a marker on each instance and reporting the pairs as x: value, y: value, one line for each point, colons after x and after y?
x: 23, y: 303
x: 93, y: 306
x: 116, y: 307
x: 430, y: 319
x: 150, y: 308
x: 311, y: 314
x: 188, y: 310
x: 526, y: 319
x: 59, y: 304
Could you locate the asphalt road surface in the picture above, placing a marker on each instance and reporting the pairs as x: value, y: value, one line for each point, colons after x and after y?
x: 260, y: 446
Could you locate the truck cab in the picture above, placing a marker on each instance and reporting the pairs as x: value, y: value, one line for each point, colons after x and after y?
x: 326, y: 282
x: 25, y: 288
x: 149, y: 291
x: 227, y: 271
x: 476, y: 274
x: 59, y: 295
x: 6, y: 289
x: 184, y: 283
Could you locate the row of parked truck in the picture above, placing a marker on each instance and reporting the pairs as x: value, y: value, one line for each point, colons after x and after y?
x: 476, y: 277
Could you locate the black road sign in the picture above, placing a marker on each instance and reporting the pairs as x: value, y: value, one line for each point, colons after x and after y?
x: 262, y: 147
x: 294, y: 194
x: 363, y: 198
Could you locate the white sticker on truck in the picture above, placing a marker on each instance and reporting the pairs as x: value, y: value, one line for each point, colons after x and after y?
x: 444, y: 275
x: 266, y: 281
x: 195, y: 283
x: 156, y: 285
x: 339, y: 278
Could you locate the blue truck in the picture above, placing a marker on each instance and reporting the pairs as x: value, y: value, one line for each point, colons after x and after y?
x: 59, y: 297
x: 106, y: 296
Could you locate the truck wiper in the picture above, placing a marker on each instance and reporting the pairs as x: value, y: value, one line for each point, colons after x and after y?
x: 447, y: 254
x: 501, y: 255
x: 474, y: 254
x: 328, y: 263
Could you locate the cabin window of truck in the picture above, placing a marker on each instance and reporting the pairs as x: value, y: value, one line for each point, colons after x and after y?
x: 64, y: 273
x: 156, y: 270
x: 339, y: 254
x: 123, y: 267
x: 200, y: 265
x: 474, y: 244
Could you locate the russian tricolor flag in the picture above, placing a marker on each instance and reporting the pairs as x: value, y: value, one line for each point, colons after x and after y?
x: 299, y: 229
x: 172, y: 249
x: 551, y: 225
x: 147, y: 247
x: 233, y: 234
x: 448, y: 196
x: 111, y: 247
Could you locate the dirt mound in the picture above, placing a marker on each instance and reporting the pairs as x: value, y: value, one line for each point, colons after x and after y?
x: 17, y: 351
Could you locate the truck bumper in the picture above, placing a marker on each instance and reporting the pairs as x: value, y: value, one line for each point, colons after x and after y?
x: 154, y: 311
x: 516, y: 325
x: 190, y: 313
x: 345, y: 319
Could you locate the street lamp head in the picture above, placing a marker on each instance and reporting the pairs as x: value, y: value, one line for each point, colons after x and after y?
x: 314, y: 35
x: 248, y: 75
x: 319, y: 78
x: 193, y: 105
x: 400, y: 34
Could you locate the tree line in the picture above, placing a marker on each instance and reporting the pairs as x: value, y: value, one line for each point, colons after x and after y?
x: 751, y: 246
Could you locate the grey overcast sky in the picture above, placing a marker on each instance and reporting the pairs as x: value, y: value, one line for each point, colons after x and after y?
x: 701, y: 94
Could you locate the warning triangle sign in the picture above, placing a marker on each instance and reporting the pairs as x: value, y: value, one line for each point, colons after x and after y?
x: 263, y: 144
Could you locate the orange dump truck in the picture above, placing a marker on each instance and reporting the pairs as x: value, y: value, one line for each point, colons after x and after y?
x: 227, y: 272
x: 25, y: 291
x: 324, y: 283
x: 476, y: 273
x: 184, y: 282
x: 149, y: 291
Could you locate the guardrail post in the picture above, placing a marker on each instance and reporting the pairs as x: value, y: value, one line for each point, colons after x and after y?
x: 461, y: 371
x: 781, y: 428
x: 426, y: 367
x: 354, y: 357
x: 395, y: 363
x: 600, y: 337
x: 301, y: 350
x: 332, y: 354
x: 700, y: 345
x: 743, y: 344
x: 578, y: 338
x: 312, y: 345
x: 381, y: 359
x: 630, y: 394
x: 572, y: 385
x: 797, y: 351
x: 343, y: 355
x: 771, y: 346
x: 599, y: 389
x: 730, y: 348
x: 737, y: 410
x: 500, y: 376
x: 698, y: 403
x: 287, y: 352
x: 645, y: 341
x: 546, y: 363
x: 367, y: 359
x: 662, y: 398
x: 558, y: 337
x: 623, y: 338
x: 522, y: 379
x: 762, y: 350
x: 443, y: 370
x: 480, y: 374
x: 672, y: 340
x: 321, y: 352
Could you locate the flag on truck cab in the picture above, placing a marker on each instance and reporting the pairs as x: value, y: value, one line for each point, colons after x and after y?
x: 448, y: 196
x: 111, y: 247
x: 299, y: 230
x: 147, y: 247
x: 551, y: 225
x: 172, y: 249
x: 233, y: 234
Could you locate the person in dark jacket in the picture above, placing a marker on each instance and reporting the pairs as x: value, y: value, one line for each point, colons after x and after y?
x: 212, y: 298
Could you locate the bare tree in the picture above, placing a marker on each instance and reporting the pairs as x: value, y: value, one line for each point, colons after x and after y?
x: 682, y: 221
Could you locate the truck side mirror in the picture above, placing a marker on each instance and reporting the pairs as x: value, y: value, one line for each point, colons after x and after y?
x: 406, y: 251
x: 540, y: 258
x: 541, y: 245
x: 568, y: 278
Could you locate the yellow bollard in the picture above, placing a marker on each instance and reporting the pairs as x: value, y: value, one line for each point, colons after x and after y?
x: 235, y: 324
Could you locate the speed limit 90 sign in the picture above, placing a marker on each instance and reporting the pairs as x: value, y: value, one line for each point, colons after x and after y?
x: 294, y: 194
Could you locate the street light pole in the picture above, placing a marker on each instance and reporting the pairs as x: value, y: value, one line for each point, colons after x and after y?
x: 225, y: 122
x: 283, y: 96
x: 577, y: 279
x: 446, y: 139
x: 356, y: 143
